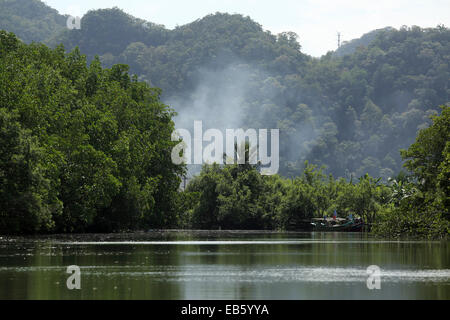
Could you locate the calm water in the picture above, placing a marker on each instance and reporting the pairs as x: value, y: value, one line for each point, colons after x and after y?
x: 223, y: 265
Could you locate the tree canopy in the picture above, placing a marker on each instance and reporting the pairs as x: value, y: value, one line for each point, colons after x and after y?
x: 86, y: 146
x: 350, y: 110
x: 82, y: 147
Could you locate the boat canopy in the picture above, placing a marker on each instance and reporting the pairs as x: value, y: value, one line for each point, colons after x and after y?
x: 329, y: 219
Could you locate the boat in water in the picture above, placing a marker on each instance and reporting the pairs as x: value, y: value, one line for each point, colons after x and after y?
x: 337, y: 224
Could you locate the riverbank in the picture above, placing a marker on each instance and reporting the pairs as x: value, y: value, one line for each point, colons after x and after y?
x: 151, y: 235
x: 176, y: 234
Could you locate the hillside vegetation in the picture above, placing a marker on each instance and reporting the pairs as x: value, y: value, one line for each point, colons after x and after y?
x: 351, y: 113
x: 85, y: 144
x: 31, y: 20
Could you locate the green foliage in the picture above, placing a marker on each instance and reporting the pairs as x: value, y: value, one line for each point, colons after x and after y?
x: 427, y: 158
x: 238, y: 197
x: 82, y: 148
x: 27, y: 201
x: 231, y: 197
x: 89, y: 148
x: 420, y: 204
x: 350, y: 110
x: 110, y: 31
x: 349, y: 47
x: 30, y: 20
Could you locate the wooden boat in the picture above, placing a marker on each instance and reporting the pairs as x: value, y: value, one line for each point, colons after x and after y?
x: 338, y: 224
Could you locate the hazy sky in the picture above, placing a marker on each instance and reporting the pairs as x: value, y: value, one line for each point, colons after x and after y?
x: 315, y: 21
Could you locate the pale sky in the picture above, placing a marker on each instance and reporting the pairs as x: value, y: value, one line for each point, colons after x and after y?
x: 315, y: 21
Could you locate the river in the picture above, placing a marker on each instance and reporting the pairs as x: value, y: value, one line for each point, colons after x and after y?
x: 223, y: 265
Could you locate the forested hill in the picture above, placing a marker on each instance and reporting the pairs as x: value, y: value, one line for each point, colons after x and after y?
x: 170, y: 58
x: 351, y: 113
x: 31, y: 20
x: 349, y: 47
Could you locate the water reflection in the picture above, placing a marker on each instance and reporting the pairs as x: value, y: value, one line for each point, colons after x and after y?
x: 174, y: 265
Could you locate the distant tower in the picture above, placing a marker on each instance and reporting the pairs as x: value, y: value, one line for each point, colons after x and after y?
x: 339, y: 39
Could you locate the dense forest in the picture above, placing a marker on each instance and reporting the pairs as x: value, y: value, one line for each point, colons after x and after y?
x: 86, y: 146
x: 417, y: 204
x: 351, y: 110
x: 31, y: 20
x: 82, y: 147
